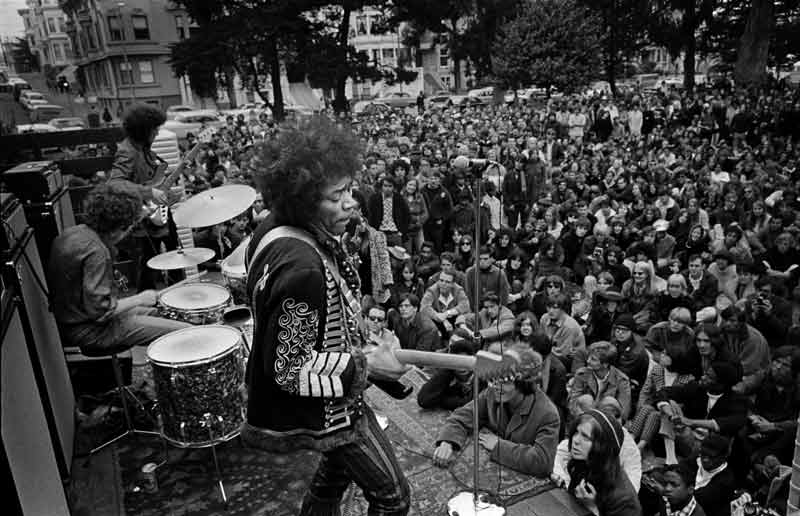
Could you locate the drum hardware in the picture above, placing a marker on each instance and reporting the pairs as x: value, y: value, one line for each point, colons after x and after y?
x: 235, y: 272
x: 241, y: 318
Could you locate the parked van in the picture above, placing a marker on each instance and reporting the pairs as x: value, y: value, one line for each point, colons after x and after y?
x: 43, y: 113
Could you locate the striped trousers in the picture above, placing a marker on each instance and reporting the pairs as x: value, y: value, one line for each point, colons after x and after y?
x: 370, y: 462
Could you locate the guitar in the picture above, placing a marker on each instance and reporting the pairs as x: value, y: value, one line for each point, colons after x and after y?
x: 158, y: 214
x: 486, y: 365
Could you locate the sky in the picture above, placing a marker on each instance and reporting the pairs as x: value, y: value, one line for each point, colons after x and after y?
x: 10, y: 21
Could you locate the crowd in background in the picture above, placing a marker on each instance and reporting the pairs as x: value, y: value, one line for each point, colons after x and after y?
x: 645, y: 246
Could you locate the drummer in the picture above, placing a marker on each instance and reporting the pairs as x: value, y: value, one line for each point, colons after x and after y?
x: 80, y: 273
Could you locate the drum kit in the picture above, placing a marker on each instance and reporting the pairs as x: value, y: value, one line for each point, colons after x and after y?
x: 199, y: 371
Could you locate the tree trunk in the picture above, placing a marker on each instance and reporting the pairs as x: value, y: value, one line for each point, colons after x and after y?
x: 611, y: 58
x: 230, y: 78
x: 340, y: 103
x: 751, y: 61
x: 278, y: 112
x: 689, y: 51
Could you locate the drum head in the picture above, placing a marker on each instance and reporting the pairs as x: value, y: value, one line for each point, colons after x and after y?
x: 194, y: 296
x: 192, y: 345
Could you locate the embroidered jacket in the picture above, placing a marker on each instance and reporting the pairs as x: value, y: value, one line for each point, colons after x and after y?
x: 306, y: 371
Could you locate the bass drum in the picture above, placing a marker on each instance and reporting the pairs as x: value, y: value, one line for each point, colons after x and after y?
x: 199, y: 380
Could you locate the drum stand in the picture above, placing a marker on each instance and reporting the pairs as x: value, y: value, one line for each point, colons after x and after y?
x: 208, y: 420
x: 124, y: 392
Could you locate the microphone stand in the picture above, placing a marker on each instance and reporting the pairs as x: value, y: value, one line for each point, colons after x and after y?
x: 457, y: 504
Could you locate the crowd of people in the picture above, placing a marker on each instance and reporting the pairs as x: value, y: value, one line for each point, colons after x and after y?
x: 642, y: 251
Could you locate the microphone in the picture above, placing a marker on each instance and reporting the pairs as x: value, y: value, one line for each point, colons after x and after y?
x: 465, y: 162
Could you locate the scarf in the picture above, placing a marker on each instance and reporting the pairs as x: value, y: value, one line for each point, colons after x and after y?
x: 381, y: 268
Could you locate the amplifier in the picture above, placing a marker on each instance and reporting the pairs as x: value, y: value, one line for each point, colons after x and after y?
x: 13, y: 220
x: 33, y: 181
x: 49, y: 219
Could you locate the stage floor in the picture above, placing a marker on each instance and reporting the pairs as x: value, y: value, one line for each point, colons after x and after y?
x: 258, y: 483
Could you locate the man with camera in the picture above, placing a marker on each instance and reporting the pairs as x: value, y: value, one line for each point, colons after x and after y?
x: 769, y: 313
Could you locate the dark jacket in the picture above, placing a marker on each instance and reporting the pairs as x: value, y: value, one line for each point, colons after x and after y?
x: 706, y: 294
x: 715, y: 497
x: 730, y: 411
x: 136, y: 165
x: 400, y: 212
x: 440, y: 204
x: 292, y: 402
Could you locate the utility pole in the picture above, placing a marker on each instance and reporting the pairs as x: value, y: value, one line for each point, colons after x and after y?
x: 120, y: 5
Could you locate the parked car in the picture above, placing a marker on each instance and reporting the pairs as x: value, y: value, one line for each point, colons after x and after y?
x: 398, y: 99
x: 370, y: 107
x: 19, y: 86
x: 441, y: 99
x: 45, y: 112
x: 71, y: 123
x: 482, y: 95
x: 193, y: 122
x: 30, y: 98
x: 35, y: 128
x: 180, y: 108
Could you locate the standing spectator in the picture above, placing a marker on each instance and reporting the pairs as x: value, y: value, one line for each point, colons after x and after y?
x: 388, y: 212
x: 440, y: 209
x: 569, y: 344
x: 491, y: 277
x: 418, y: 215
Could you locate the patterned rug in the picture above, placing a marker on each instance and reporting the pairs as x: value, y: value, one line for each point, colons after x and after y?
x: 259, y: 483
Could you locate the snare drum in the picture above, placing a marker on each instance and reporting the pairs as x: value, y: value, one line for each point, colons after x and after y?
x: 195, y: 303
x: 199, y: 374
x: 233, y: 270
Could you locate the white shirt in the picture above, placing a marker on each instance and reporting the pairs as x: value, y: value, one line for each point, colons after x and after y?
x: 703, y: 477
x: 712, y: 400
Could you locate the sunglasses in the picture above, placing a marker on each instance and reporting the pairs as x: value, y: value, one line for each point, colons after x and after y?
x: 374, y: 318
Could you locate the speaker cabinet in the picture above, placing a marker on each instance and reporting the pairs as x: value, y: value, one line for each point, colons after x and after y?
x: 28, y: 468
x: 49, y: 219
x: 23, y: 273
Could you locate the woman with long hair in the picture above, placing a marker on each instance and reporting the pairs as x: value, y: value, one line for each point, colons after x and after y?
x: 406, y: 282
x: 465, y: 254
x: 593, y: 473
x: 641, y: 295
x: 697, y: 242
x: 520, y: 279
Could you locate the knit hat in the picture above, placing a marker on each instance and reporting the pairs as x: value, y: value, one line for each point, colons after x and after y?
x: 610, y: 427
x: 625, y: 321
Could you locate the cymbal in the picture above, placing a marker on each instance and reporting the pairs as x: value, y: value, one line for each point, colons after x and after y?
x: 180, y: 258
x: 214, y: 206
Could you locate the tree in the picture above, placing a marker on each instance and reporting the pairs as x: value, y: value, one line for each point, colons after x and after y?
x: 675, y: 24
x: 549, y: 43
x: 751, y: 64
x: 623, y: 23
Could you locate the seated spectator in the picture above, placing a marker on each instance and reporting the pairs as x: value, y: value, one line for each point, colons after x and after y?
x: 632, y: 357
x: 554, y: 374
x: 767, y: 312
x: 526, y: 327
x: 491, y: 277
x: 772, y: 423
x: 407, y: 282
x: 447, y: 264
x: 519, y: 279
x: 724, y: 270
x: 640, y: 295
x: 593, y: 473
x: 518, y: 422
x: 673, y: 336
x: 744, y: 342
x: 448, y: 388
x: 670, y: 369
x: 494, y: 322
x: 695, y: 410
x: 427, y: 262
x: 604, y: 313
x: 566, y: 334
x: 549, y: 286
x: 674, y: 297
x: 678, y: 492
x: 599, y: 379
x: 715, y: 484
x: 701, y: 287
x: 444, y: 302
x: 414, y: 329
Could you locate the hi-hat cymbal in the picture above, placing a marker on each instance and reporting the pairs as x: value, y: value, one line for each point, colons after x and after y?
x: 180, y: 258
x: 214, y: 206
